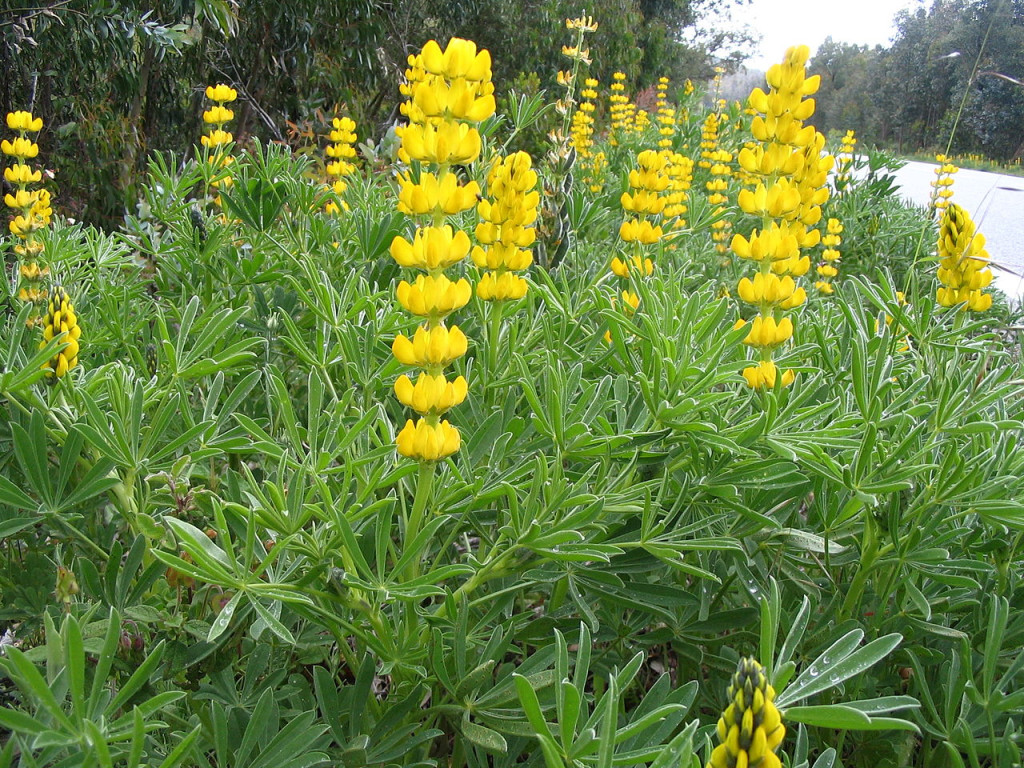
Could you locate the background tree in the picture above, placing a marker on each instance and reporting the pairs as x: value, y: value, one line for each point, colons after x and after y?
x: 116, y: 79
x: 954, y: 69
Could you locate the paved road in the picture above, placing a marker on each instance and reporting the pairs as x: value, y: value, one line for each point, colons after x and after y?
x: 996, y: 204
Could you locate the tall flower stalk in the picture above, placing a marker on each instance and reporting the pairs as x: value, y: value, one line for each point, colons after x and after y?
x: 942, y: 185
x: 506, y: 233
x: 717, y: 186
x: 844, y: 160
x: 340, y: 154
x: 643, y: 207
x: 217, y: 140
x: 30, y: 207
x: 449, y: 91
x: 791, y: 174
x: 554, y: 227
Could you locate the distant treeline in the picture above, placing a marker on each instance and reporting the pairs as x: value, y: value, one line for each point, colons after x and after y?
x: 956, y: 67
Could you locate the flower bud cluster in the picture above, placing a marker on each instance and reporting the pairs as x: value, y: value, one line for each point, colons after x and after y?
x: 750, y: 729
x: 679, y: 169
x: 665, y: 115
x: 963, y: 262
x: 708, y: 140
x: 61, y: 323
x: 828, y: 270
x: 506, y: 228
x: 592, y: 165
x: 942, y: 185
x: 340, y: 154
x: 30, y: 207
x: 621, y: 111
x: 448, y: 91
x: 790, y: 173
x: 717, y: 186
x: 582, y: 130
x: 844, y: 160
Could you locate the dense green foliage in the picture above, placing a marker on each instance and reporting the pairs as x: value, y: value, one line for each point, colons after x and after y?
x: 207, y: 550
x: 955, y: 68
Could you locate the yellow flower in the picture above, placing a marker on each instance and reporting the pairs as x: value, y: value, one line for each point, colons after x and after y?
x: 459, y: 100
x: 430, y: 349
x: 781, y: 201
x: 639, y: 231
x: 433, y: 248
x: 643, y: 201
x: 23, y: 122
x: 583, y: 23
x: 22, y: 198
x: 445, y: 143
x: 218, y: 115
x: 576, y: 54
x: 424, y: 441
x: 221, y: 93
x: 460, y: 58
x: 20, y: 148
x: 766, y: 289
x: 638, y: 264
x: 19, y: 173
x: 963, y: 266
x: 430, y: 394
x: 430, y: 195
x: 501, y: 286
x: 344, y: 130
x: 216, y: 138
x: 433, y: 297
x: 766, y: 331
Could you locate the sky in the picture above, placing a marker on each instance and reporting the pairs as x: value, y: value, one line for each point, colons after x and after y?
x: 783, y: 23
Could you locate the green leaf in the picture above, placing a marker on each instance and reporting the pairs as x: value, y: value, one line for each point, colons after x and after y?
x: 138, y: 679
x: 273, y: 623
x: 836, y: 716
x: 837, y: 664
x: 485, y: 738
x: 12, y: 496
x: 223, y: 620
x: 19, y: 722
x: 531, y: 706
x: 180, y: 753
x: 12, y: 525
x: 32, y: 683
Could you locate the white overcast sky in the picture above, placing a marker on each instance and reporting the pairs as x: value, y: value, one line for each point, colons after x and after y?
x: 783, y: 23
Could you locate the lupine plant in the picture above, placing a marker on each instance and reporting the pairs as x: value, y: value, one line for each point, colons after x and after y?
x: 219, y: 545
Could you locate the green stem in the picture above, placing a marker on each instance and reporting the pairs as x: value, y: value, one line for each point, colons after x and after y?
x: 868, y: 557
x: 493, y: 341
x: 424, y: 484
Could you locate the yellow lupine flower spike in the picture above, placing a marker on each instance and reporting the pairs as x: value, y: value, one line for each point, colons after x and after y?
x: 750, y: 729
x: 963, y: 265
x: 61, y: 322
